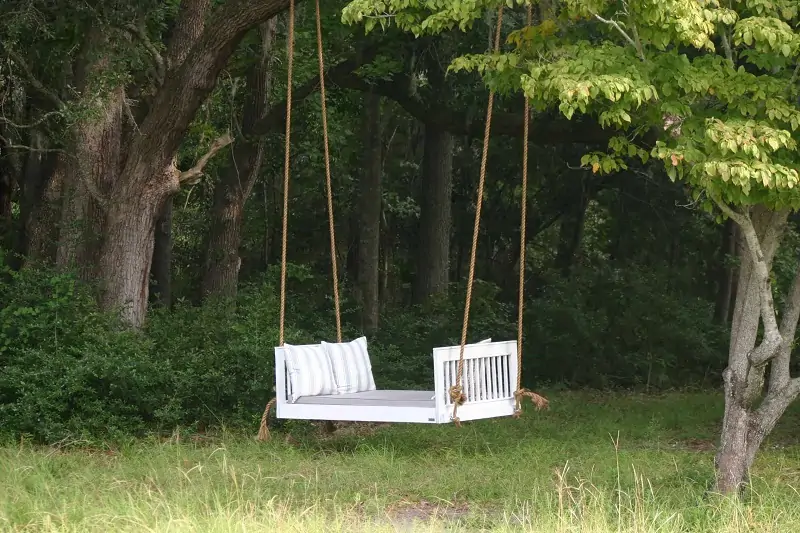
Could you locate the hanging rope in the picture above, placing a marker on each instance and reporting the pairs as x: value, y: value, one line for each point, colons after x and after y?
x: 521, y: 393
x: 457, y: 395
x: 328, y: 184
x: 263, y: 430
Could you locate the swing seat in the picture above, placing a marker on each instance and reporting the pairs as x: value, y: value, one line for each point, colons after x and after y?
x: 489, y: 380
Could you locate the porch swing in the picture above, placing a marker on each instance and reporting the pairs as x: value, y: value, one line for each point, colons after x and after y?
x: 333, y: 381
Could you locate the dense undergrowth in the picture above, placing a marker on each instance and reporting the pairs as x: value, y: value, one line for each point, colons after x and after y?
x: 70, y: 371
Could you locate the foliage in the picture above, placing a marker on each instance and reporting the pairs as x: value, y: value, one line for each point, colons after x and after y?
x: 613, y: 327
x: 718, y: 84
x: 69, y: 370
x: 66, y: 368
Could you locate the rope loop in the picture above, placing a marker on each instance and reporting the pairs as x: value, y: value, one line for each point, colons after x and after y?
x: 263, y: 431
x: 539, y: 401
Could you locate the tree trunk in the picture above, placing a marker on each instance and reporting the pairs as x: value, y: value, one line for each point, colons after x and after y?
x: 222, y: 262
x: 725, y: 273
x: 370, y: 208
x: 433, y: 254
x: 571, y: 233
x: 6, y: 189
x: 40, y: 207
x: 96, y: 146
x: 149, y: 176
x: 128, y: 252
x: 161, y: 269
x: 748, y: 418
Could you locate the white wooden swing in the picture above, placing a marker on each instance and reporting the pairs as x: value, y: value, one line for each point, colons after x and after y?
x: 489, y: 375
x: 471, y: 381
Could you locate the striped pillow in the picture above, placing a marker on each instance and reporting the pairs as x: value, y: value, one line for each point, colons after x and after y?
x: 352, y: 369
x: 310, y: 371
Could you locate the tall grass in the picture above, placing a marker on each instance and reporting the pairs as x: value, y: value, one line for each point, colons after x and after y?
x: 594, y: 464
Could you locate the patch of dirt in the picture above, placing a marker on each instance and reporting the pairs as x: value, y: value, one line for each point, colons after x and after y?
x: 354, y: 429
x: 698, y: 445
x: 405, y: 515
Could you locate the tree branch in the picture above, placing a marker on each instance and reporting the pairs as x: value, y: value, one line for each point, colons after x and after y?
x: 31, y: 78
x: 193, y: 174
x: 160, y: 65
x: 781, y: 365
x: 276, y: 117
x: 616, y: 25
x: 772, y: 340
x: 10, y: 145
x: 544, y: 130
x: 41, y: 120
x: 186, y: 88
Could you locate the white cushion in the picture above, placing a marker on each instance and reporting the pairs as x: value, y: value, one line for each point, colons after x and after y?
x: 352, y: 369
x: 310, y: 371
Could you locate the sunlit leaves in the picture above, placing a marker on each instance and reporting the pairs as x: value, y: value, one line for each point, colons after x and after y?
x: 770, y: 41
x: 716, y: 81
x: 420, y: 17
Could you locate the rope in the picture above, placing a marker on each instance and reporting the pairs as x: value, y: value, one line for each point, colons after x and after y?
x: 457, y: 391
x: 286, y: 169
x: 539, y: 401
x: 263, y: 432
x: 328, y: 184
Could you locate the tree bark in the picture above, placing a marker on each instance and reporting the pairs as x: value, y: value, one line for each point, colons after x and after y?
x: 370, y: 209
x: 222, y: 261
x: 149, y: 177
x: 748, y: 417
x: 433, y: 254
x: 96, y: 150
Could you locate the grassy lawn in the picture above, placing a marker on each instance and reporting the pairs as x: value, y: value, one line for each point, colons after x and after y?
x: 592, y: 463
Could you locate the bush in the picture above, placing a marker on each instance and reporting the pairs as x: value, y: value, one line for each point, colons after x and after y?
x: 68, y: 370
x: 610, y: 328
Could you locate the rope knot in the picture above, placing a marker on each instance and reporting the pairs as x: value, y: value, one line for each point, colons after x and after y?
x: 457, y: 395
x: 540, y: 402
x: 263, y: 431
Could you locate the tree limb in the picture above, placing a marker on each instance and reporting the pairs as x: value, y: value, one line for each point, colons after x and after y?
x: 185, y: 88
x: 160, y: 65
x: 10, y: 145
x: 544, y: 130
x: 31, y: 78
x: 616, y: 25
x: 768, y: 348
x: 41, y: 120
x: 193, y: 174
x: 276, y: 117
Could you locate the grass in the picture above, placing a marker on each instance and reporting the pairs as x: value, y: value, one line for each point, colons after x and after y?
x: 592, y: 463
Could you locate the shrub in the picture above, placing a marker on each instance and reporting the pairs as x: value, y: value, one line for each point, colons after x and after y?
x: 68, y: 370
